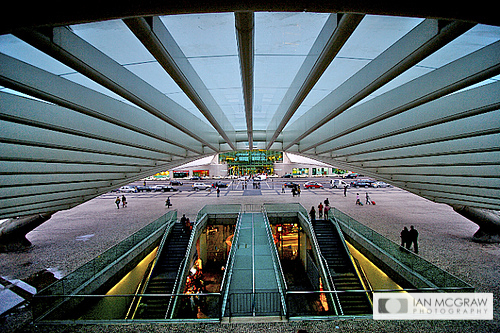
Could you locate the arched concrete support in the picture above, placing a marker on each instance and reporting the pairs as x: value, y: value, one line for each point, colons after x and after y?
x: 13, y: 231
x: 488, y: 221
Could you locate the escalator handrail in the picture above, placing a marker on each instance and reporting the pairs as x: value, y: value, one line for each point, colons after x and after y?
x: 323, y: 264
x: 183, y: 265
x: 351, y: 258
x: 282, y: 286
x: 224, y: 290
x: 168, y: 229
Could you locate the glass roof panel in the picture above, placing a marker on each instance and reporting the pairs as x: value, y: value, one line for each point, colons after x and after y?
x: 209, y: 43
x: 282, y: 42
x: 371, y: 38
x: 114, y: 39
x: 202, y: 35
x: 16, y: 48
x: 469, y: 42
x: 117, y: 41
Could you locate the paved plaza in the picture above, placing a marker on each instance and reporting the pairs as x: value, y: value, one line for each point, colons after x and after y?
x: 71, y: 238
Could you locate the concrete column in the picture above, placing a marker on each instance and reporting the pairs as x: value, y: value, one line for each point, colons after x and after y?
x: 488, y: 221
x: 13, y: 231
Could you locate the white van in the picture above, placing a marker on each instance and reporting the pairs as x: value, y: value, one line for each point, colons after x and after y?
x: 338, y: 183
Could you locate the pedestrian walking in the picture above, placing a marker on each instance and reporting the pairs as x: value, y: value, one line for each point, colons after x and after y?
x: 368, y: 200
x: 327, y: 210
x: 312, y: 214
x: 218, y: 191
x: 413, y: 239
x: 124, y: 201
x: 320, y: 210
x: 345, y: 190
x: 326, y: 202
x: 404, y: 238
x: 117, y: 202
x: 358, y: 201
x: 283, y: 188
x: 168, y: 203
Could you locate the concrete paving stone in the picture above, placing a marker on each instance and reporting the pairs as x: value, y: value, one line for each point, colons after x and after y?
x: 445, y: 239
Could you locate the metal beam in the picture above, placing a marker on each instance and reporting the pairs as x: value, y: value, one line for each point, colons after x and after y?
x: 35, y: 200
x: 445, y: 194
x: 453, y: 107
x: 467, y: 135
x: 419, y: 43
x: 245, y: 35
x: 81, y: 104
x: 463, y: 72
x: 51, y: 13
x: 157, y: 39
x: 76, y: 53
x: 336, y: 30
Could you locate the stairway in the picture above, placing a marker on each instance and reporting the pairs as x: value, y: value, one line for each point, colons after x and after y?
x: 341, y: 269
x: 164, y: 273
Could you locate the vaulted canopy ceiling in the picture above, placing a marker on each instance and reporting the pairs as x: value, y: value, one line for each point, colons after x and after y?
x: 87, y: 107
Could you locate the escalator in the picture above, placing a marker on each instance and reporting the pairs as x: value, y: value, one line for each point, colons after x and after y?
x: 163, y: 276
x: 344, y: 275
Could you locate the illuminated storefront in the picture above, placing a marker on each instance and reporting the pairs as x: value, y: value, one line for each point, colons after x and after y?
x: 250, y: 162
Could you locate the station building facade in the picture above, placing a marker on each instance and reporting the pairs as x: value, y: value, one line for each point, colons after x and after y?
x: 252, y: 162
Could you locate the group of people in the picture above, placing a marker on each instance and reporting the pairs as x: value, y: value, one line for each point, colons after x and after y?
x: 186, y: 224
x: 409, y: 237
x: 123, y: 201
x: 323, y: 210
x: 368, y: 200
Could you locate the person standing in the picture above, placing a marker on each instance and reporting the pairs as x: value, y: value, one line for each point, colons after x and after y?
x: 168, y: 203
x: 320, y: 210
x: 326, y: 202
x: 413, y: 238
x: 345, y: 191
x: 218, y: 191
x: 283, y: 188
x: 404, y: 238
x: 117, y: 202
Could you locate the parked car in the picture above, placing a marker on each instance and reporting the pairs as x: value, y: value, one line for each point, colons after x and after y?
x: 195, y: 178
x: 338, y: 183
x: 200, y: 186
x: 381, y: 184
x: 176, y: 182
x: 219, y: 184
x: 362, y: 183
x: 168, y: 188
x: 350, y: 175
x: 157, y: 188
x: 313, y: 185
x: 128, y: 189
x: 141, y: 188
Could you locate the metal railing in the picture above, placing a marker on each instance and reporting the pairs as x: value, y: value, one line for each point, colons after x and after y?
x: 184, y: 266
x: 229, y: 267
x: 262, y: 303
x: 280, y: 276
x: 304, y: 305
x: 94, y: 270
x: 418, y: 271
x: 323, y: 265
